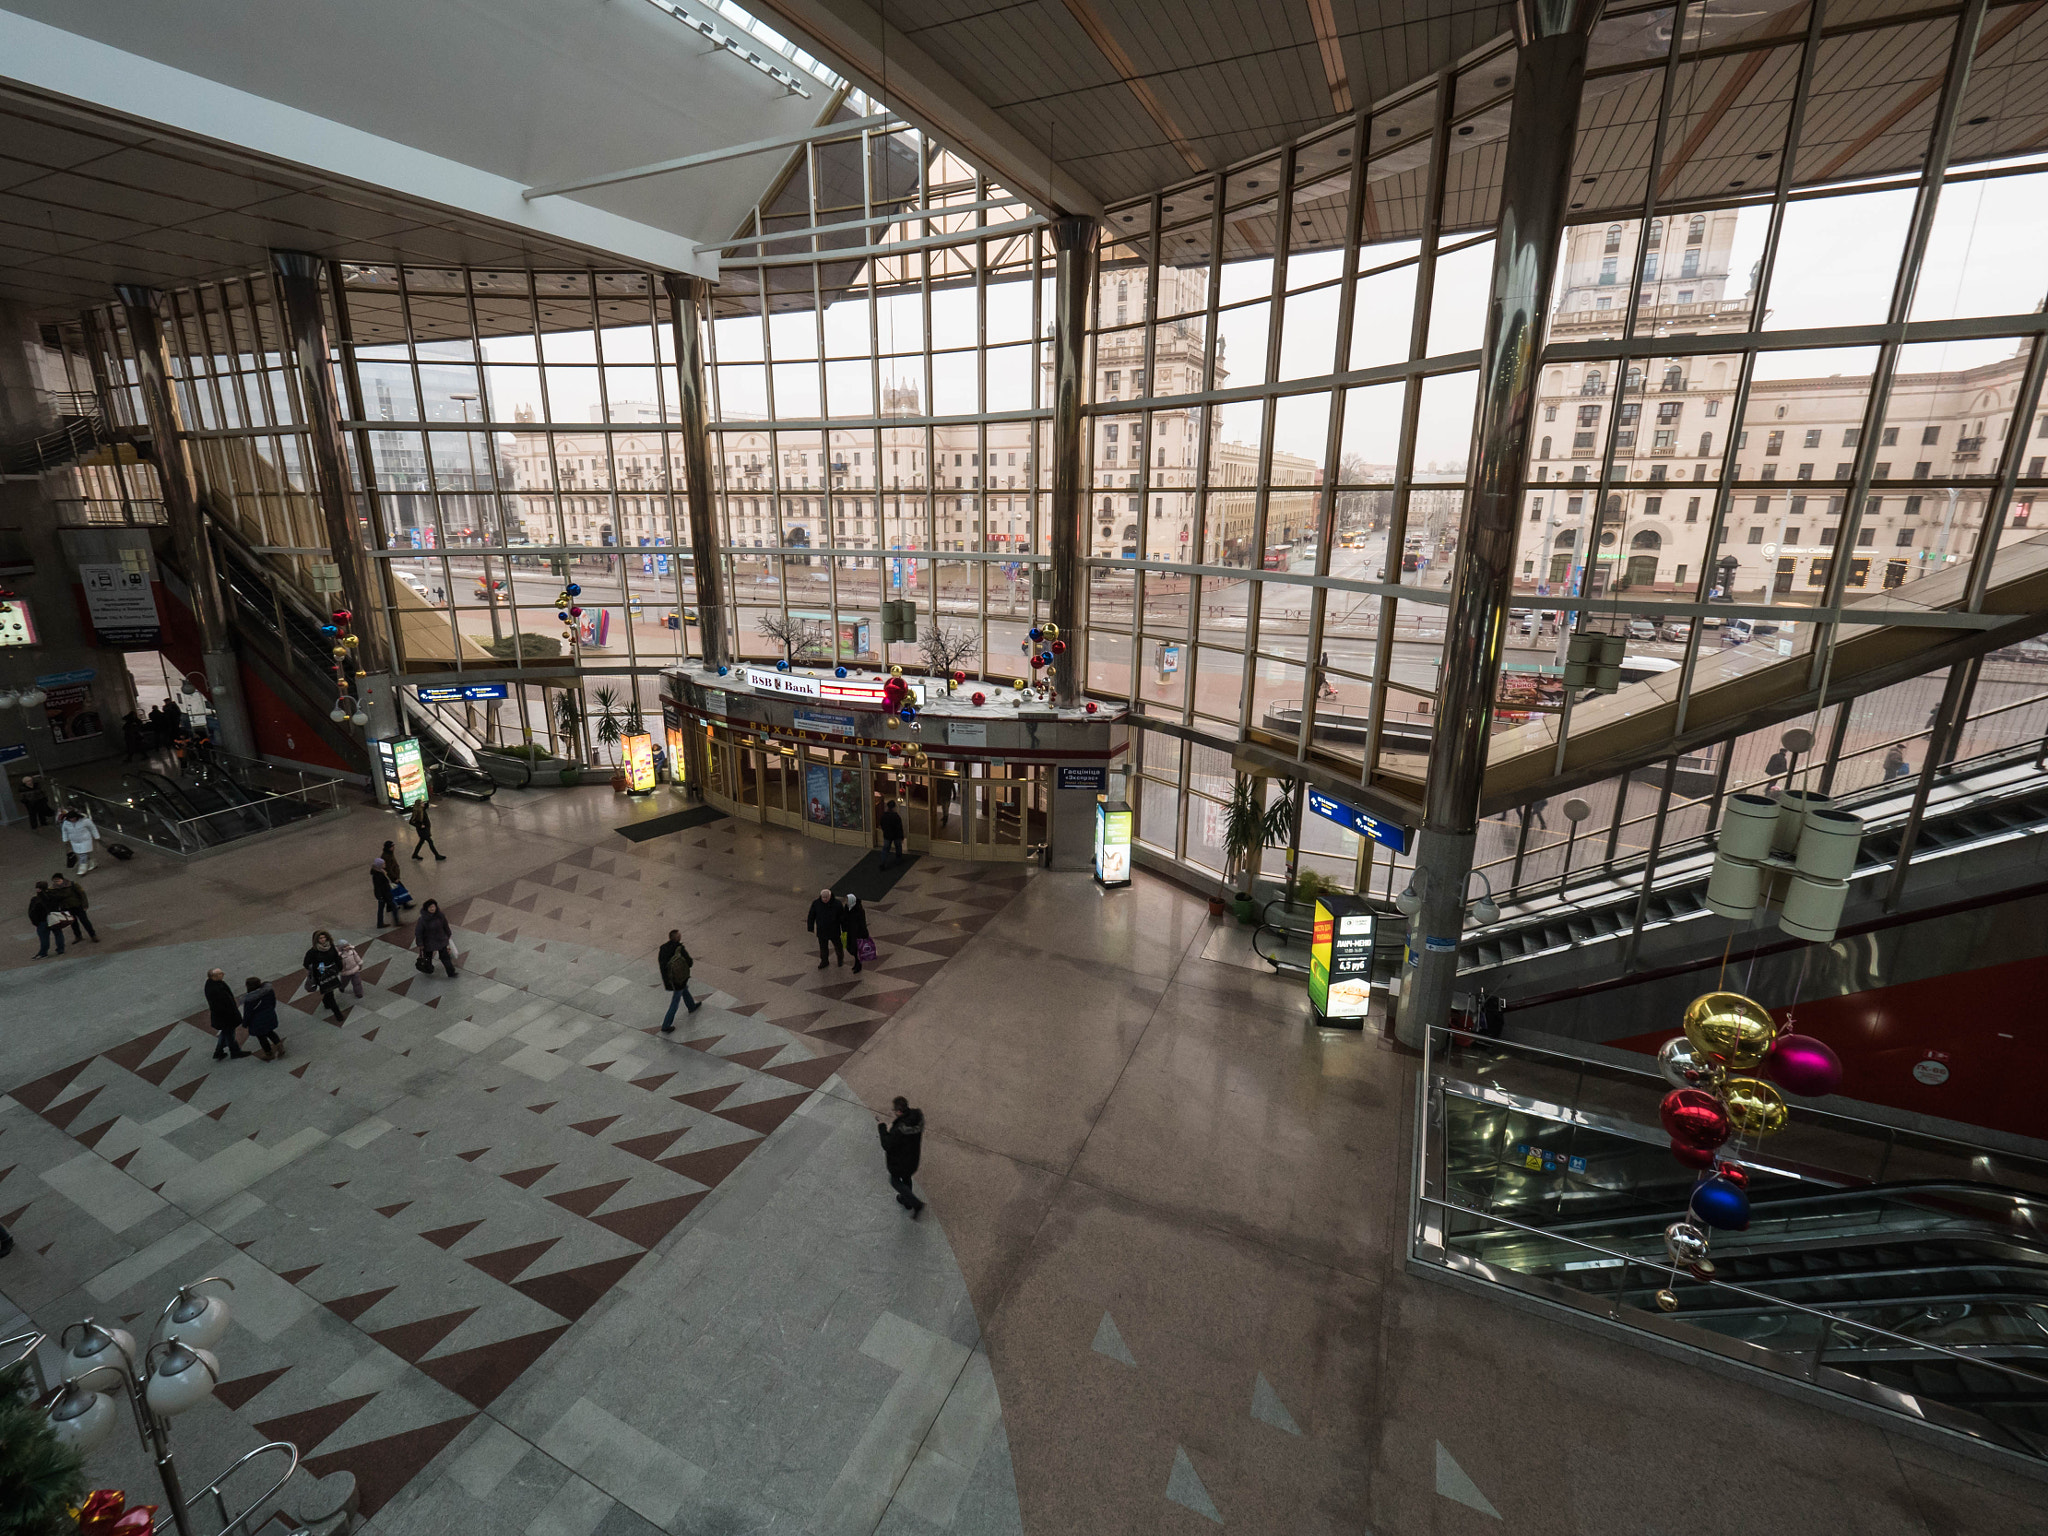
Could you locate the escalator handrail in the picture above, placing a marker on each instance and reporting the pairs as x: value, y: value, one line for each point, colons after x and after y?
x: 1766, y: 1206
x: 1523, y: 1048
x: 1828, y: 1319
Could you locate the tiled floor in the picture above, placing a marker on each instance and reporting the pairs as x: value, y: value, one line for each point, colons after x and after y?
x: 520, y: 1263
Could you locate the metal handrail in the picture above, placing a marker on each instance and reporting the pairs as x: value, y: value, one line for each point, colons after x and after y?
x: 1776, y: 1303
x: 230, y: 1526
x: 1583, y: 1064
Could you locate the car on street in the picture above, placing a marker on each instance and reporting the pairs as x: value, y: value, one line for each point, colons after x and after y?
x: 1642, y: 629
x: 1675, y: 630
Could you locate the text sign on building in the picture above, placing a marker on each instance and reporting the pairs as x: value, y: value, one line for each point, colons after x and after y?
x: 860, y: 692
x: 1094, y: 780
x: 1386, y: 833
x: 1340, y: 958
x: 828, y: 721
x: 461, y: 693
x: 404, y: 773
x: 122, y: 606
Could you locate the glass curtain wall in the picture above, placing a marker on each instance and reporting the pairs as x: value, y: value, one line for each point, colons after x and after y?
x: 1791, y: 379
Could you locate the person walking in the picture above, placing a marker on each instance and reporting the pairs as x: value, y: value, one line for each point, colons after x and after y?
x: 423, y: 824
x: 433, y: 936
x: 221, y: 1004
x: 79, y: 834
x: 890, y: 823
x: 902, y: 1146
x: 36, y: 801
x: 853, y: 925
x: 70, y: 897
x: 43, y: 914
x: 380, y: 887
x: 825, y: 919
x: 674, y: 964
x: 323, y: 970
x: 351, y: 968
x: 390, y: 858
x: 1774, y: 769
x: 132, y: 743
x: 1536, y: 810
x: 1894, y: 763
x: 259, y: 1017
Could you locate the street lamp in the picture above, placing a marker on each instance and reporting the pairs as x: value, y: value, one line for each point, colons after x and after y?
x: 178, y: 1372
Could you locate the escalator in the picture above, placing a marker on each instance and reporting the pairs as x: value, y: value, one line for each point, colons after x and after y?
x: 211, y: 806
x: 1928, y: 1296
x: 1976, y: 805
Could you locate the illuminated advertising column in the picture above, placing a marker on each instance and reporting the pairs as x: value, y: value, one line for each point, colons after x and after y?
x: 402, y: 770
x: 1112, y: 843
x: 637, y: 762
x: 1340, y: 962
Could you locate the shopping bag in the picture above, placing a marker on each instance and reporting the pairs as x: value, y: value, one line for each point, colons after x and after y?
x: 400, y: 896
x: 864, y: 951
x: 424, y: 965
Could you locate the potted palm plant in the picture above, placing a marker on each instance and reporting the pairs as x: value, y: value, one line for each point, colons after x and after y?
x: 1249, y: 824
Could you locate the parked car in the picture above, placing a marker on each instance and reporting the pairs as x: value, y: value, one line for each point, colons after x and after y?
x: 1641, y: 629
x: 1675, y: 630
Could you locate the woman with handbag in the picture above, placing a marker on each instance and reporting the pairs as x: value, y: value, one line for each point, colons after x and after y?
x: 854, y: 925
x: 352, y: 968
x: 433, y: 936
x: 259, y: 1017
x: 323, y: 970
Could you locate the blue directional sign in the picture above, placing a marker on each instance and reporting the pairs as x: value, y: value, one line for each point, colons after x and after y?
x: 1386, y: 833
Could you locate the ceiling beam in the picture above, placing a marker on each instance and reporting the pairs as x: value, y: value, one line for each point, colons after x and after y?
x: 1106, y: 42
x: 79, y: 69
x: 883, y: 120
x: 860, y: 42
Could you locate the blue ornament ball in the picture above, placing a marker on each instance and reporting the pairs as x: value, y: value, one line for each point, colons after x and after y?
x: 329, y: 629
x: 782, y: 666
x: 723, y: 670
x: 1046, y: 657
x: 563, y: 615
x: 574, y: 590
x: 1721, y: 1203
x: 906, y: 713
x: 839, y: 671
x: 1037, y: 634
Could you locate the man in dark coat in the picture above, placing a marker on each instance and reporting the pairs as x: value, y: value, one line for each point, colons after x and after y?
x: 69, y: 897
x: 890, y: 823
x: 380, y: 887
x: 226, y: 1012
x: 674, y: 963
x: 902, y: 1143
x: 826, y: 920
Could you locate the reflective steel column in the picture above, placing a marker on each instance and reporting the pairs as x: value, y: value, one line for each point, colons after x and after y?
x: 688, y: 297
x: 1073, y: 241
x: 298, y: 283
x: 188, y: 524
x: 1535, y: 190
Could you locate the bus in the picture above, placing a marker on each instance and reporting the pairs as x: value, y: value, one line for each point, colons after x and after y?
x: 1353, y: 540
x: 1279, y: 556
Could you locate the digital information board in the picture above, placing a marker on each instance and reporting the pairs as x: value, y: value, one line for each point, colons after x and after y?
x: 1340, y: 960
x: 1386, y: 833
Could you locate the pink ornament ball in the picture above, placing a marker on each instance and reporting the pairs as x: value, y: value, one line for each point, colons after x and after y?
x: 1803, y: 1065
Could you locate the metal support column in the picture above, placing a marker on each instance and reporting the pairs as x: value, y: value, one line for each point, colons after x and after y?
x: 1948, y: 723
x: 688, y: 298
x: 1550, y: 69
x: 188, y: 522
x: 298, y: 286
x: 1073, y: 241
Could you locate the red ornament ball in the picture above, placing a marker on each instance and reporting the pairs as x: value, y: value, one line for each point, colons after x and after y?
x: 1059, y: 647
x: 1734, y: 1173
x: 959, y: 677
x: 1693, y: 1157
x: 1695, y: 1117
x: 1037, y: 661
x: 981, y: 698
x: 1092, y: 706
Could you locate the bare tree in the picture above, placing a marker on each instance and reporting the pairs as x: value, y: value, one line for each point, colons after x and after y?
x: 944, y: 649
x: 801, y: 640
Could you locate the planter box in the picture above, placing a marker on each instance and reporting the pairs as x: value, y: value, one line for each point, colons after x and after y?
x: 546, y: 771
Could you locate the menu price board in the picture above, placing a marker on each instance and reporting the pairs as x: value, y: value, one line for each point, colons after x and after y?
x: 1340, y: 958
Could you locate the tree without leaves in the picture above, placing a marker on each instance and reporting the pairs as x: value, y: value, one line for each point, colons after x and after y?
x: 944, y: 649
x: 801, y: 640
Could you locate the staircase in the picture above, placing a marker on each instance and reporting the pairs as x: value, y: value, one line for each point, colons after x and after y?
x: 81, y: 429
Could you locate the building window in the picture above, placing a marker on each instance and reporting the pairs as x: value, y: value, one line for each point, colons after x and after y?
x: 1650, y: 267
x: 2034, y: 467
x: 1692, y: 509
x: 1614, y: 237
x: 1851, y: 436
x: 1690, y: 265
x: 1582, y: 440
x: 1923, y: 469
x: 1543, y: 449
x: 1805, y: 472
x: 1774, y: 444
x: 1589, y: 415
x: 1684, y: 297
x: 1905, y: 539
x: 1669, y: 410
x: 1813, y: 437
x: 1696, y: 231
x: 1792, y: 537
x: 1607, y: 271
x: 1550, y: 413
x: 1913, y: 506
x: 1888, y: 438
x: 1817, y: 573
x: 1929, y: 435
x: 1603, y: 303
x: 1756, y: 535
x: 1664, y: 440
x: 1828, y: 536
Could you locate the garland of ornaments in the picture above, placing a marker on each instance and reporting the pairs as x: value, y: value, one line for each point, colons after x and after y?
x: 1726, y: 1074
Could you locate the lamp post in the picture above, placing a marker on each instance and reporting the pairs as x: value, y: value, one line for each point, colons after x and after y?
x: 177, y: 1372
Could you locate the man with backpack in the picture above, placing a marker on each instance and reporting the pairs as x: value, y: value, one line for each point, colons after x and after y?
x: 674, y: 964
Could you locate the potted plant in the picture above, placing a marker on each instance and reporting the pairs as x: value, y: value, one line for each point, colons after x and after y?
x: 611, y: 723
x: 1249, y: 825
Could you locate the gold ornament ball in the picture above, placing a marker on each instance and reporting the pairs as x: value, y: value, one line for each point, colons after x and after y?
x: 1727, y: 1027
x: 1020, y: 685
x: 1052, y: 631
x: 895, y: 671
x: 1667, y: 1301
x: 1755, y: 1107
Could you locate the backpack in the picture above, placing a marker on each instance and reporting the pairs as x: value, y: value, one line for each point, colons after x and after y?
x: 676, y: 973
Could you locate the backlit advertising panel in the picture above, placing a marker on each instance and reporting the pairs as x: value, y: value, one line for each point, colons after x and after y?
x: 1340, y: 959
x: 1112, y: 844
x: 637, y: 748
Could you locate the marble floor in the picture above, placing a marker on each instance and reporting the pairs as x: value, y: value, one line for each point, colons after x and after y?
x: 519, y: 1262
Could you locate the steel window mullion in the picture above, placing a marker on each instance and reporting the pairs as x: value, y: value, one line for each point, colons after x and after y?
x: 1204, y: 422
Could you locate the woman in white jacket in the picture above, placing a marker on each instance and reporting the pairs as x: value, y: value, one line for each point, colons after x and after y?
x: 79, y: 834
